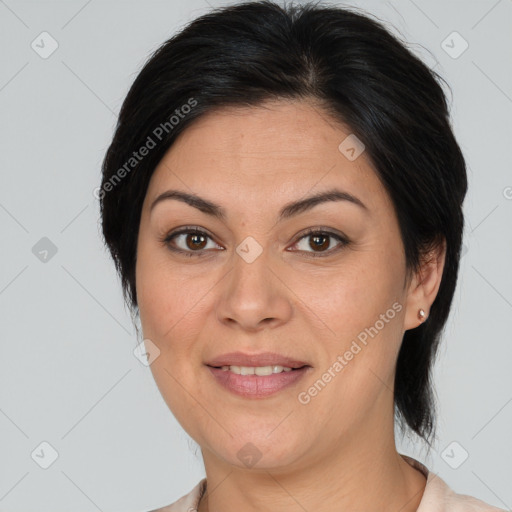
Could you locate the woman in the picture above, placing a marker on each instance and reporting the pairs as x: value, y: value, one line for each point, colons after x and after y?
x: 283, y: 202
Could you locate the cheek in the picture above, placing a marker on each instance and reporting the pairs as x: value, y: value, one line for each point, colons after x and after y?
x: 361, y: 311
x: 168, y: 296
x: 173, y: 300
x: 170, y: 313
x: 353, y: 297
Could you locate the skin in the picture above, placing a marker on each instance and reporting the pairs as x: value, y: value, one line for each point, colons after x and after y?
x: 336, y: 452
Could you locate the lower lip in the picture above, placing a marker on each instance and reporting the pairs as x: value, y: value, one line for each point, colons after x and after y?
x: 257, y: 386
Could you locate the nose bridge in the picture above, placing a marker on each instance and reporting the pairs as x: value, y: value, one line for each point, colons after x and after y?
x: 251, y: 278
x: 252, y: 294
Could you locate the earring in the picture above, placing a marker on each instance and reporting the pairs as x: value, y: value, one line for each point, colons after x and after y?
x: 421, y: 314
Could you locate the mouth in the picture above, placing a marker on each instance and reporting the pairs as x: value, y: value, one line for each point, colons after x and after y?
x: 257, y: 370
x: 262, y: 360
x: 257, y: 375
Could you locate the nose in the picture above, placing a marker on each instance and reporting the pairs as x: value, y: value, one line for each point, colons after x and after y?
x: 253, y: 296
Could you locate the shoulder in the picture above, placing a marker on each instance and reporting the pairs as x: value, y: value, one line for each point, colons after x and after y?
x: 188, y: 502
x: 439, y: 497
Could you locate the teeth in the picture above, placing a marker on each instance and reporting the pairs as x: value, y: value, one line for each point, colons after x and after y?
x: 256, y: 370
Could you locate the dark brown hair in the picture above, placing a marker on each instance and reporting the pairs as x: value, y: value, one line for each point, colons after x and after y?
x: 247, y: 53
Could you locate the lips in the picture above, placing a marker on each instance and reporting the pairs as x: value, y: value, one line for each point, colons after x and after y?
x: 263, y: 359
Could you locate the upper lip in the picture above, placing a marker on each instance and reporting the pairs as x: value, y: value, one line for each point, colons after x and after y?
x: 262, y: 359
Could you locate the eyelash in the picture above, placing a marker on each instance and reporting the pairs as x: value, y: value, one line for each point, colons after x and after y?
x: 167, y: 239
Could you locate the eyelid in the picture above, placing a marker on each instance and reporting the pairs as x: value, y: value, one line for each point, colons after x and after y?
x: 185, y: 230
x: 342, y: 239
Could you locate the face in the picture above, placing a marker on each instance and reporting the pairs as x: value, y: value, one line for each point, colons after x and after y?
x: 251, y: 279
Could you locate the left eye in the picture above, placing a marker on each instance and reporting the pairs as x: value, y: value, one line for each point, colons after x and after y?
x: 319, y: 242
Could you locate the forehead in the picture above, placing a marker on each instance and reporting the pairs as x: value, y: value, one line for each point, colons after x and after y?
x: 278, y: 149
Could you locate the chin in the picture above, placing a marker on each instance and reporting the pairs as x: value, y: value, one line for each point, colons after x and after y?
x: 256, y: 449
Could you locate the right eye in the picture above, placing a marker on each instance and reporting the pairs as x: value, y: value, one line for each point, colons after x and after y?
x: 193, y: 241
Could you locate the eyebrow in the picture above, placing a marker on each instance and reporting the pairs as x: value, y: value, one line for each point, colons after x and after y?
x: 289, y: 210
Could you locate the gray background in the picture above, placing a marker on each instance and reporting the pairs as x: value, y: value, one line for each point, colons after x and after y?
x: 68, y: 375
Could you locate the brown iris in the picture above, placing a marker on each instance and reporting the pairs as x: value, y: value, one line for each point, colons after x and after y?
x: 316, y: 244
x: 196, y: 240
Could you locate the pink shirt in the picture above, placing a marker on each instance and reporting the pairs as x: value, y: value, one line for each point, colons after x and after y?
x: 437, y: 497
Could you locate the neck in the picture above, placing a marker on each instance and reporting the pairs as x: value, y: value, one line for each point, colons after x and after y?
x: 357, y: 476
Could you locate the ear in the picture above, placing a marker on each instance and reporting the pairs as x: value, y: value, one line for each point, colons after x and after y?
x: 424, y: 285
